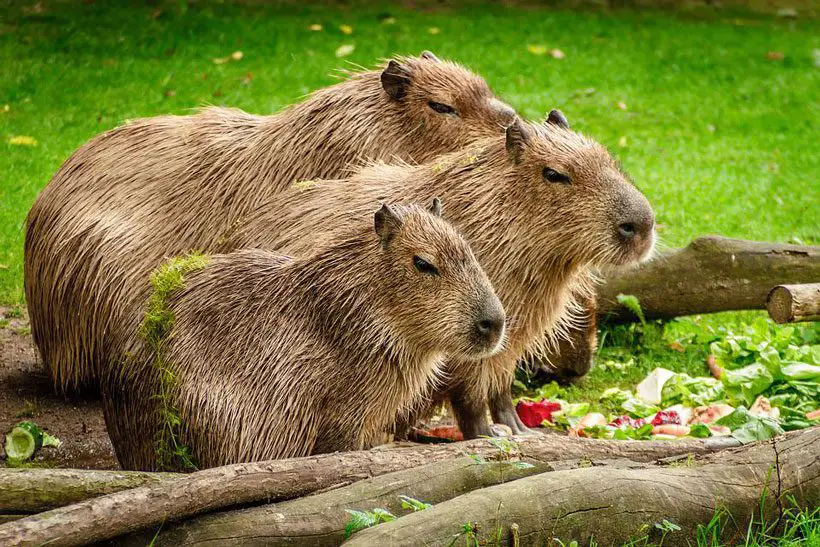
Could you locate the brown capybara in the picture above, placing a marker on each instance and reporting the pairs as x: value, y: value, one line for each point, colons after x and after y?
x: 539, y: 208
x: 162, y: 186
x: 572, y: 358
x: 274, y: 357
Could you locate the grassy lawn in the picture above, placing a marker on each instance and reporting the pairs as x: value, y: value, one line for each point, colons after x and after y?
x: 720, y: 137
x: 715, y: 114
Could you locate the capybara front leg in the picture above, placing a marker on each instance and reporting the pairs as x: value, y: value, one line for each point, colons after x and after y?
x: 471, y: 413
x: 502, y: 410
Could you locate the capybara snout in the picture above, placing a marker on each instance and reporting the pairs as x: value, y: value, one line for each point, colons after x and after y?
x: 490, y: 325
x: 634, y: 223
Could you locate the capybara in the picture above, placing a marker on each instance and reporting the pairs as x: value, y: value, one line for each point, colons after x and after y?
x: 539, y: 207
x: 271, y: 357
x: 159, y: 187
x: 572, y: 359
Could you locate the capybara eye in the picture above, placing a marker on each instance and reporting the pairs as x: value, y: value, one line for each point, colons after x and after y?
x: 441, y: 108
x: 551, y: 175
x: 424, y: 267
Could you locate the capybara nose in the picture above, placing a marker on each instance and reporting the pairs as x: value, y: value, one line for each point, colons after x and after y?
x: 490, y: 327
x: 639, y: 225
x: 636, y: 228
x: 627, y: 230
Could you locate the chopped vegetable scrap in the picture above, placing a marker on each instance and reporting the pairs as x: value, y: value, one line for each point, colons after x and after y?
x: 25, y: 439
x: 533, y: 413
x: 438, y: 434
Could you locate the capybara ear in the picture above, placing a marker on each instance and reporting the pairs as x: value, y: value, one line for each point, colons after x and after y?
x: 429, y: 56
x: 556, y: 117
x: 387, y: 224
x: 435, y: 208
x: 396, y: 80
x: 517, y: 138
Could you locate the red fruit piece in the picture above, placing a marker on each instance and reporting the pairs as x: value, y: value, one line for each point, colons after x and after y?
x: 634, y: 423
x: 533, y: 413
x: 666, y: 417
x: 449, y: 432
x: 442, y: 433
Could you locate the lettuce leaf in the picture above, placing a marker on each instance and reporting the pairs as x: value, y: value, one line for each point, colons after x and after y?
x: 637, y: 408
x: 747, y: 428
x: 801, y: 371
x: 700, y: 431
x: 683, y: 389
x: 745, y: 384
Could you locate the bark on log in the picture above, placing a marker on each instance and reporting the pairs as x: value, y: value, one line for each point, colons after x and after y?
x: 115, y: 514
x: 616, y: 505
x: 711, y: 274
x: 320, y: 519
x: 36, y: 490
x: 794, y: 303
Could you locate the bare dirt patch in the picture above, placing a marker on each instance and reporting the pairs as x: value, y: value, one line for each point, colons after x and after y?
x: 26, y: 394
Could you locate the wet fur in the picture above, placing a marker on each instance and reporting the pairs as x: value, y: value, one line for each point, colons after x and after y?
x: 277, y: 357
x: 159, y: 187
x: 536, y: 240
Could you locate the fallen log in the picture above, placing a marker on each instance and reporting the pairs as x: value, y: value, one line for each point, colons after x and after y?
x: 321, y: 519
x: 711, y: 274
x: 103, y: 517
x: 616, y: 505
x: 36, y: 490
x: 794, y: 303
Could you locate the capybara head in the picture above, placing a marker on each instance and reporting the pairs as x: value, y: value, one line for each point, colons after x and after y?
x: 445, y: 100
x: 577, y: 195
x: 439, y: 294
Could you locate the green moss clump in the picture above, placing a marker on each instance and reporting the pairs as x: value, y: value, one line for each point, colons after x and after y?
x: 154, y: 330
x: 166, y: 280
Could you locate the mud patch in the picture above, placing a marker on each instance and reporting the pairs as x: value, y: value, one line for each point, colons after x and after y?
x: 26, y: 394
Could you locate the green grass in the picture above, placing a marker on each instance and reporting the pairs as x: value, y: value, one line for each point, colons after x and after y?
x: 722, y: 139
x: 798, y: 528
x: 650, y: 350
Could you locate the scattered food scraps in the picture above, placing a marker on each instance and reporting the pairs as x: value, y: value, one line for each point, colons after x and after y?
x: 25, y: 439
x: 533, y: 413
x: 442, y: 433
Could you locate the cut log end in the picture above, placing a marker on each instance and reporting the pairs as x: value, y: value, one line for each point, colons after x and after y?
x: 794, y: 303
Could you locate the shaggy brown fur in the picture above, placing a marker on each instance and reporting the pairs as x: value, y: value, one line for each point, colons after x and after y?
x: 279, y: 358
x: 536, y: 233
x: 162, y: 186
x: 575, y: 353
